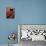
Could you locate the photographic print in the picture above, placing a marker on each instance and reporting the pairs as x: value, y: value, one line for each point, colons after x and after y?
x: 33, y: 32
x: 10, y: 12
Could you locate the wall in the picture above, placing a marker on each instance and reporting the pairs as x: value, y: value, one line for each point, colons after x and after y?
x: 27, y: 12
